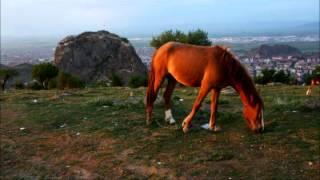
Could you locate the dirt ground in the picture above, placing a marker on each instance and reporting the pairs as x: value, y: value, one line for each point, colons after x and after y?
x: 100, y: 133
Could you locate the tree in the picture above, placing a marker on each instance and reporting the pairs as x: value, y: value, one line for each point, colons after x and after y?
x: 168, y: 36
x: 306, y: 78
x: 281, y: 77
x: 44, y: 72
x: 267, y: 75
x: 6, y: 74
x: 198, y: 37
x: 316, y: 72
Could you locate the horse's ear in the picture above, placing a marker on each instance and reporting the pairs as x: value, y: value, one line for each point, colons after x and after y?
x: 227, y: 48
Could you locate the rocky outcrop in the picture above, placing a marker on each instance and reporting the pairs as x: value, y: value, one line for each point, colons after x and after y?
x: 269, y: 51
x: 96, y: 56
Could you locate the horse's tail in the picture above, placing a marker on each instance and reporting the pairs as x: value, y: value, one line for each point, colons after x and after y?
x: 151, y: 79
x: 151, y: 94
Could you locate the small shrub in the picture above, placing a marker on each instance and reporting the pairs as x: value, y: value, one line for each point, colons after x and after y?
x: 34, y: 85
x: 75, y: 82
x: 52, y: 83
x: 101, y: 84
x: 116, y: 80
x: 18, y: 84
x: 137, y: 81
x: 101, y: 101
x: 67, y: 81
x: 222, y: 101
x: 124, y: 40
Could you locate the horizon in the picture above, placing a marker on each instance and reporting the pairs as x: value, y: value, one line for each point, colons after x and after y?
x: 146, y: 19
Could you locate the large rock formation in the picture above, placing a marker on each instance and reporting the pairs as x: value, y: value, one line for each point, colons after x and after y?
x: 95, y: 56
x: 269, y: 51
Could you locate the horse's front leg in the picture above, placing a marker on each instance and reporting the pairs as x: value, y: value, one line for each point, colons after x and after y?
x: 201, y: 95
x: 214, y: 106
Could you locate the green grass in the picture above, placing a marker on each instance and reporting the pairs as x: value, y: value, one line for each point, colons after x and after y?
x: 101, y: 132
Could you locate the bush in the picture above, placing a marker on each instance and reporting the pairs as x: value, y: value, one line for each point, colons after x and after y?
x: 124, y: 40
x: 67, y: 81
x: 270, y: 75
x: 18, y: 84
x: 137, y: 81
x: 34, y: 85
x: 52, y: 83
x: 258, y: 79
x: 100, y: 83
x: 116, y: 80
x: 198, y: 37
x: 101, y: 101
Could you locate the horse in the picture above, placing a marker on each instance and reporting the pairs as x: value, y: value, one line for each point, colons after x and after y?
x: 211, y: 68
x: 314, y: 82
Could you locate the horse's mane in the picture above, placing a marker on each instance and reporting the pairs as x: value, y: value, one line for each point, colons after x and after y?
x: 239, y: 75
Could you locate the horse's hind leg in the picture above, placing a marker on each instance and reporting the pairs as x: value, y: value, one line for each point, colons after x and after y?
x: 204, y: 89
x: 167, y: 99
x: 152, y: 92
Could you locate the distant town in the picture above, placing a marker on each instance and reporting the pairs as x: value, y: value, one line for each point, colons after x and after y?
x: 297, y: 65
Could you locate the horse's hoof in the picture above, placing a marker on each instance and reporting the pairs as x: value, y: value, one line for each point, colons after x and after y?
x: 148, y: 122
x: 185, y: 127
x: 216, y: 129
x: 213, y: 129
x: 170, y: 121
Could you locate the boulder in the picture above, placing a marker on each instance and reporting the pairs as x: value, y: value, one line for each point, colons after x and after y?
x: 96, y: 56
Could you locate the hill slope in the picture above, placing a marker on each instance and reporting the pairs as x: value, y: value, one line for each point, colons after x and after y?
x: 101, y: 133
x: 269, y: 51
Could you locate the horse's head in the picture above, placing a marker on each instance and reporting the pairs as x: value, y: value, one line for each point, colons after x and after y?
x: 253, y: 115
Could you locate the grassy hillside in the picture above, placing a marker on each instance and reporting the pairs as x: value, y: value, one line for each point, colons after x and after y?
x: 101, y: 132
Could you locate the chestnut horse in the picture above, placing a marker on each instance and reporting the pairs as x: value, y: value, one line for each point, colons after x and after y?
x: 211, y: 69
x: 314, y: 82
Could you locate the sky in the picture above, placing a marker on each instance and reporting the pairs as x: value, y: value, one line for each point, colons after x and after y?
x: 150, y: 17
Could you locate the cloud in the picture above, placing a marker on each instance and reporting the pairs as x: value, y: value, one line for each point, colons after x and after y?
x: 51, y: 17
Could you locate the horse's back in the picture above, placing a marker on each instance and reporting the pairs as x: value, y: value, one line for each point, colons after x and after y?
x: 186, y: 63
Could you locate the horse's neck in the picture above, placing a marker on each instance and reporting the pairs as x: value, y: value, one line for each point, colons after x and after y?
x: 246, y: 91
x: 244, y: 85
